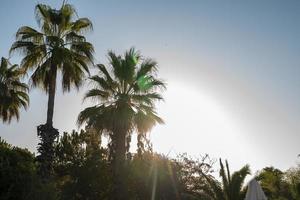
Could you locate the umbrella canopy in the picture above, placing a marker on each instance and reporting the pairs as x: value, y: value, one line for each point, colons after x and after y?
x: 255, y: 191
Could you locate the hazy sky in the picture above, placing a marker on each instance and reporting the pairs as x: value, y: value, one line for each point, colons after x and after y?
x: 232, y: 68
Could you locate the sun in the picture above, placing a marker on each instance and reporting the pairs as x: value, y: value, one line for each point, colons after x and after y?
x: 196, y: 123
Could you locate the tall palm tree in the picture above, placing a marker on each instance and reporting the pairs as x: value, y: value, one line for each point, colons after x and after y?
x: 59, y: 46
x: 13, y: 93
x: 231, y: 187
x: 126, y: 92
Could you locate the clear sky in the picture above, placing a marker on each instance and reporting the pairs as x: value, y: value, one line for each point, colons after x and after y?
x: 232, y: 68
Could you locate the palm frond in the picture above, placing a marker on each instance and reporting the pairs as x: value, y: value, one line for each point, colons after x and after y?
x: 81, y: 25
x: 116, y: 63
x: 41, y: 75
x: 147, y: 67
x: 13, y: 92
x: 97, y: 94
x: 42, y: 16
x: 26, y: 33
x: 103, y: 69
x: 84, y: 48
x: 100, y: 82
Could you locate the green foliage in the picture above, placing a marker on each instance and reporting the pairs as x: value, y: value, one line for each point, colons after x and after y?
x: 275, y: 184
x: 154, y: 176
x: 83, y: 171
x: 81, y: 166
x: 231, y: 187
x: 192, y: 175
x: 18, y: 175
x: 13, y: 92
x: 292, y: 177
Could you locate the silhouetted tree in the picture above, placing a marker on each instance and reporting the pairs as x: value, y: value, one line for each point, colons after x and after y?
x: 59, y: 46
x: 192, y: 175
x: 82, y: 168
x: 82, y: 171
x: 18, y: 176
x: 13, y: 93
x: 126, y: 93
x: 231, y: 187
x: 152, y: 176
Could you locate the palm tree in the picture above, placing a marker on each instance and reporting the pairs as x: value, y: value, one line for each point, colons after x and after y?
x: 126, y: 93
x: 13, y: 93
x: 231, y: 187
x: 59, y: 46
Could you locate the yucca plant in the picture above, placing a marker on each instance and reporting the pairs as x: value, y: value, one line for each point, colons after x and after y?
x: 126, y: 93
x: 58, y: 47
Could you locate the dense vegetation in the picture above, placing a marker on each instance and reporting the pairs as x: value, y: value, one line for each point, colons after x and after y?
x: 78, y: 165
x: 82, y: 171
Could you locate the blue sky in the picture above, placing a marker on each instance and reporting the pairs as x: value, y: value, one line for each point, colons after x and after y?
x: 241, y: 55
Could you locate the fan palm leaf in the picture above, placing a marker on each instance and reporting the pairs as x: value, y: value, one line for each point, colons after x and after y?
x: 13, y: 92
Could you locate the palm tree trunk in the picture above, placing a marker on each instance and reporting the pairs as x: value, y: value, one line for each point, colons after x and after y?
x: 119, y: 169
x: 51, y: 98
x: 48, y: 134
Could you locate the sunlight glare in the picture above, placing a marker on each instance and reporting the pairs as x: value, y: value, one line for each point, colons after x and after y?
x: 195, y: 123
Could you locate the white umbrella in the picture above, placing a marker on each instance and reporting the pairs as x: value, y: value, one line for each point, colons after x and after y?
x: 254, y: 191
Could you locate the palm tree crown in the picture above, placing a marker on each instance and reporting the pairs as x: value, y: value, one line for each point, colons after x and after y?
x: 13, y: 93
x: 59, y: 45
x: 126, y: 94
